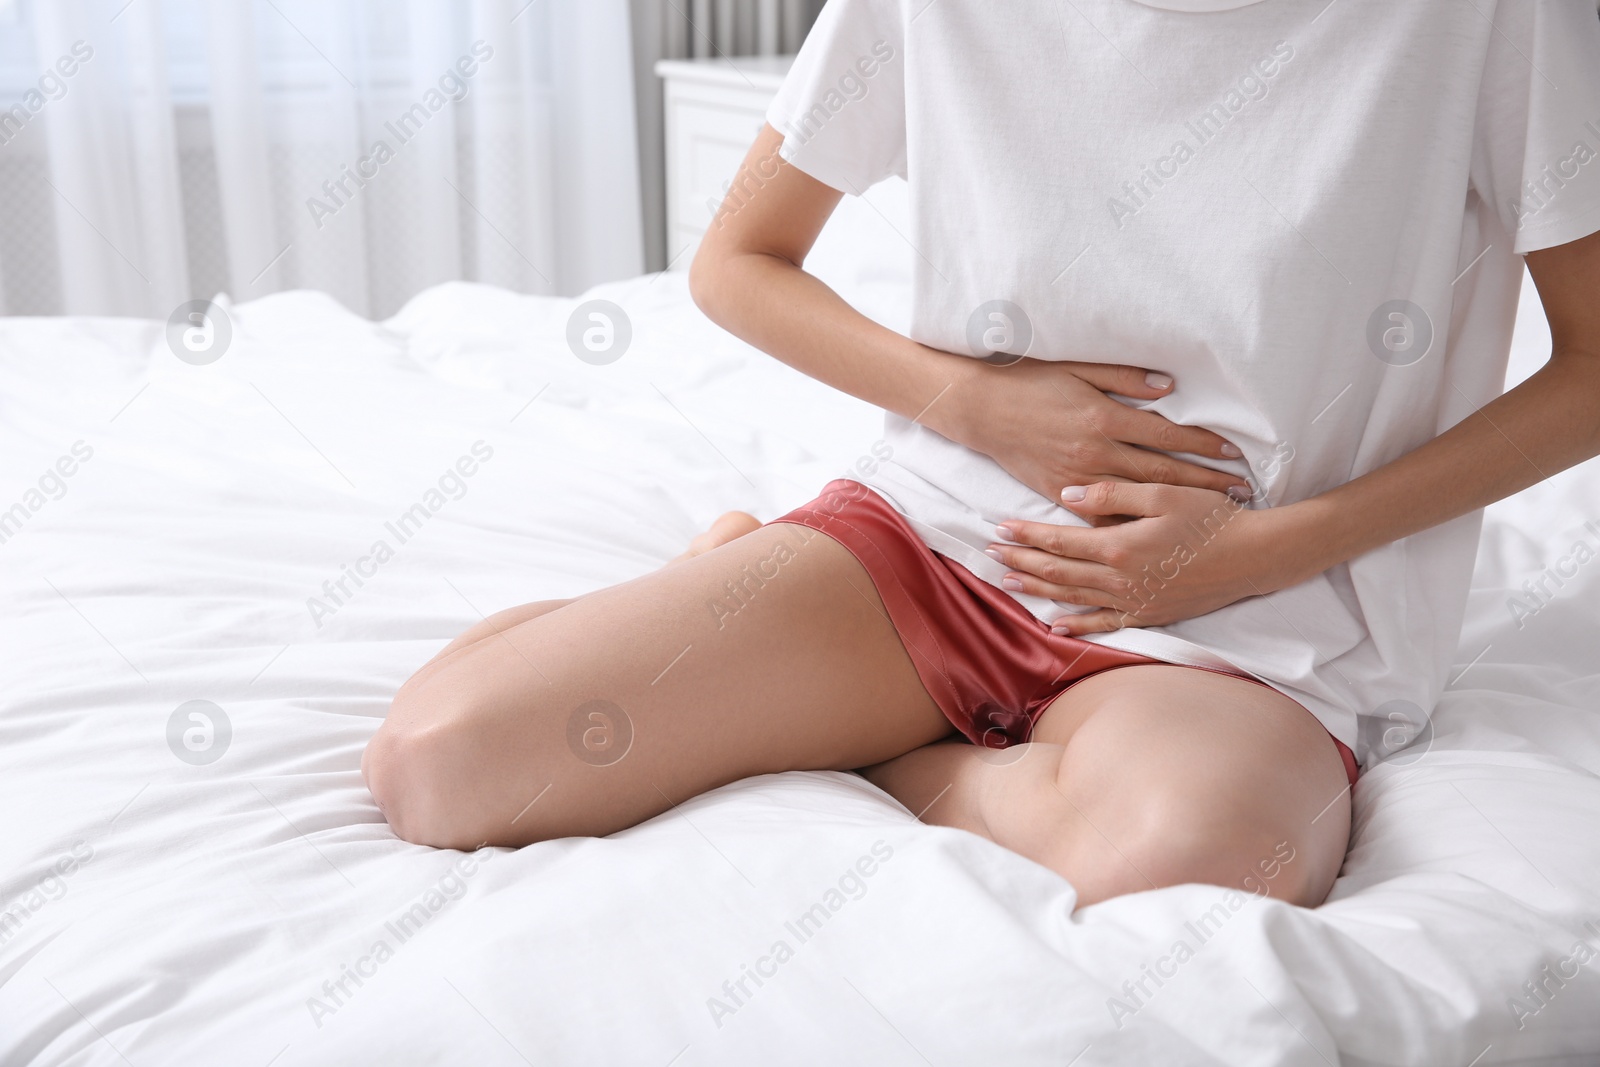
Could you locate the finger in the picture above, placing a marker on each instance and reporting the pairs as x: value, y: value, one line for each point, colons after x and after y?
x: 1106, y: 520
x: 1062, y: 572
x: 1078, y: 596
x: 1117, y: 498
x: 1155, y: 468
x: 1094, y: 622
x: 1150, y: 430
x: 1070, y: 542
x: 1135, y: 382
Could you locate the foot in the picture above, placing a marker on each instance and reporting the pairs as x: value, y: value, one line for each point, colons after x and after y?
x: 728, y: 527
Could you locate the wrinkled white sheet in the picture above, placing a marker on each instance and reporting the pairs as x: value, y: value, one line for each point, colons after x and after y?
x: 162, y: 913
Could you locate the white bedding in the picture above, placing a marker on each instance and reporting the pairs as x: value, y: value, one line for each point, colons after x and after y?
x: 207, y: 904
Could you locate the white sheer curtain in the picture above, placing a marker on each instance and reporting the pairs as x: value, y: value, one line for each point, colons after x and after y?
x: 157, y: 151
x: 703, y: 29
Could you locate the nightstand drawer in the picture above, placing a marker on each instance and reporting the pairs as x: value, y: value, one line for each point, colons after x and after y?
x: 710, y: 141
x: 714, y: 110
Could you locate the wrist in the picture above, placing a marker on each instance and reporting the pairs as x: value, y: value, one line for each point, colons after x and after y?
x: 1296, y: 543
x: 950, y: 390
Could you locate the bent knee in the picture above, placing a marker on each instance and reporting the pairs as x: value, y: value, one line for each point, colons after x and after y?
x: 432, y: 772
x: 445, y: 772
x: 1234, y: 795
x: 1173, y: 838
x: 1262, y: 859
x: 406, y: 773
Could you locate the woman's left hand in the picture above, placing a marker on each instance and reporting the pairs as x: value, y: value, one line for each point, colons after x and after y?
x: 1181, y: 552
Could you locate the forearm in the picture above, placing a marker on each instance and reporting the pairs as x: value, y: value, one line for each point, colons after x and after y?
x: 1545, y: 425
x: 776, y: 306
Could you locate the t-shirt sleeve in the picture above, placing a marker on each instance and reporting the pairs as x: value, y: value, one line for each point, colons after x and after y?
x: 1537, y: 154
x: 842, y: 109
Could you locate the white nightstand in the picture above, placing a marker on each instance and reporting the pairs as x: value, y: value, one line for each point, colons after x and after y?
x: 714, y: 109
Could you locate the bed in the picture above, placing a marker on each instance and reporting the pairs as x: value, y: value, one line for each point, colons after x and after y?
x: 199, y: 638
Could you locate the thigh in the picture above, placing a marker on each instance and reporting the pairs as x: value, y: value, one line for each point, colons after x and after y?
x: 770, y: 653
x: 1186, y: 775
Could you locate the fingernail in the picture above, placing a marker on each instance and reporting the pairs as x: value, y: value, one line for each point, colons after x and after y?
x: 1157, y: 380
x: 1061, y: 631
x: 994, y: 554
x: 1013, y: 584
x: 1231, y: 451
x: 1003, y: 533
x: 1240, y: 493
x: 1074, y: 493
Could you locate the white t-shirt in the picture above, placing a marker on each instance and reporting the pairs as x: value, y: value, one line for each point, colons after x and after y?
x: 1311, y: 214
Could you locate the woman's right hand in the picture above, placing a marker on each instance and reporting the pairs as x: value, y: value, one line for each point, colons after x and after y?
x: 1050, y: 425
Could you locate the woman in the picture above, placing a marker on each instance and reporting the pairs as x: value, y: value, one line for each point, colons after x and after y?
x: 1205, y: 252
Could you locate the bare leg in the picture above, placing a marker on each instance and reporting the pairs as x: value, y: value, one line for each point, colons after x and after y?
x: 729, y: 526
x: 1150, y: 776
x: 767, y: 653
x: 1138, y: 777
